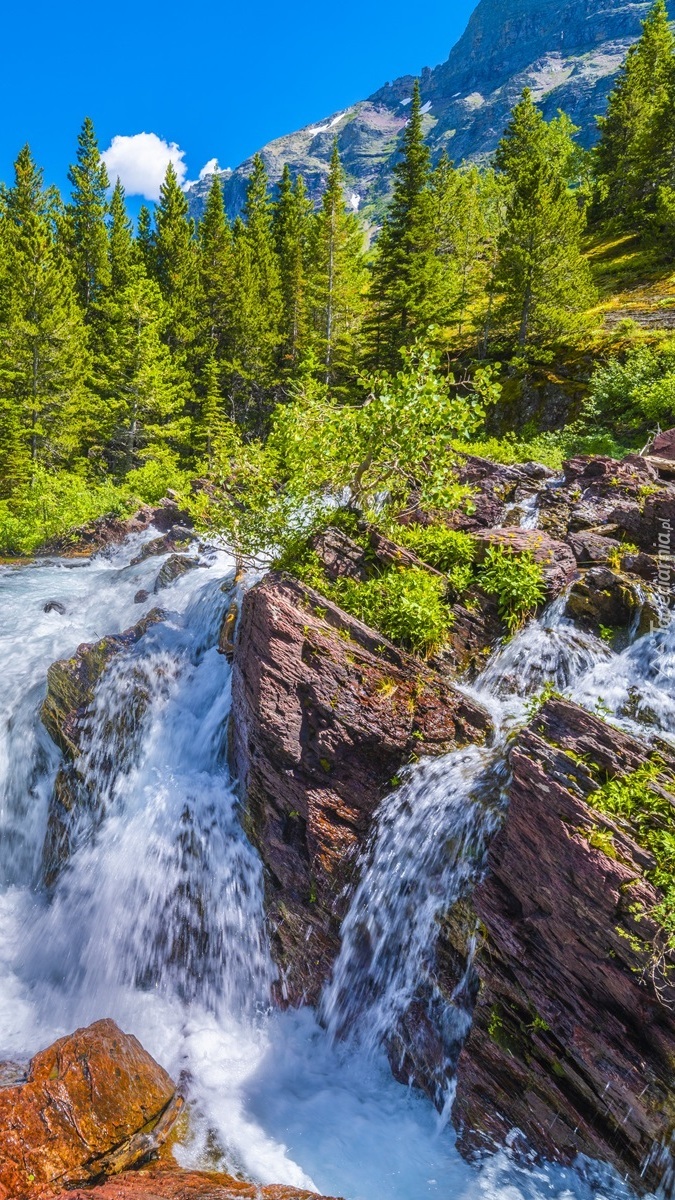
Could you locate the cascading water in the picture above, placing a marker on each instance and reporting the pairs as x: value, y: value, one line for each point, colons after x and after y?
x: 430, y: 842
x: 157, y: 918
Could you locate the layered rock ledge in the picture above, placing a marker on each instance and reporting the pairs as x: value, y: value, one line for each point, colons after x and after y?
x: 326, y: 712
x: 573, y: 1034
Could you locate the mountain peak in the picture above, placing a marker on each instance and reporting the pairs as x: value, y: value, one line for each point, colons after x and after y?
x: 566, y: 51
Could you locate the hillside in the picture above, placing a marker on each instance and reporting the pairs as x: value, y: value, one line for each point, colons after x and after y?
x: 566, y: 52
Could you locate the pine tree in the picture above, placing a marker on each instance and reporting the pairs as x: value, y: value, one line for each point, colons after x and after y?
x: 145, y: 239
x: 216, y: 276
x: 146, y: 395
x: 292, y: 228
x: 466, y: 218
x: 338, y: 280
x: 213, y: 425
x: 43, y: 354
x: 634, y: 156
x: 542, y: 276
x: 408, y: 286
x: 174, y: 264
x: 125, y: 261
x: 87, y: 219
x: 256, y: 306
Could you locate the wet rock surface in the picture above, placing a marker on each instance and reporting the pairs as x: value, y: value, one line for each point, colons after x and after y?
x: 573, y: 1034
x: 174, y: 568
x: 170, y: 1183
x: 93, y: 1104
x: 109, y: 531
x: 325, y: 713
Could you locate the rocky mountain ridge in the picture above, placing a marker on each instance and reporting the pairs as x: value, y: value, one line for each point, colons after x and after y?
x: 566, y: 52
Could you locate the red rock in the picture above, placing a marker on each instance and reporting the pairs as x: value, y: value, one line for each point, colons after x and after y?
x: 663, y: 445
x: 573, y: 1036
x: 94, y: 1102
x: 325, y: 714
x: 171, y: 1183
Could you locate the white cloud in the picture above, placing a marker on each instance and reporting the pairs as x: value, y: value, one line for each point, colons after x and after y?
x: 140, y: 161
x: 209, y: 168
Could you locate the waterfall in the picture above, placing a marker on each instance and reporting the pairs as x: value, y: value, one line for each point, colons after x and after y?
x: 429, y: 846
x: 157, y: 918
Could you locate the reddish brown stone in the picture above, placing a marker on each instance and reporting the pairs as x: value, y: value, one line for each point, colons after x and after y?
x: 326, y: 713
x: 573, y: 1036
x: 93, y: 1103
x: 171, y: 1183
x: 663, y: 445
x: 111, y: 531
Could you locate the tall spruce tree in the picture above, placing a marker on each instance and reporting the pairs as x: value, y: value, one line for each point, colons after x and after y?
x: 634, y: 156
x: 292, y: 227
x: 338, y: 280
x: 542, y: 276
x: 125, y: 261
x: 408, y: 289
x: 87, y: 214
x: 43, y: 352
x: 146, y: 396
x: 256, y: 306
x: 216, y: 267
x: 174, y: 264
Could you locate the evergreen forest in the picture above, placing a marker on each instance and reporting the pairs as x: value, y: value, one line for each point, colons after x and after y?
x: 272, y: 369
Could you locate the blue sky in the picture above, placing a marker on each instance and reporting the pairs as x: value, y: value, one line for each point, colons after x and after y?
x: 218, y: 80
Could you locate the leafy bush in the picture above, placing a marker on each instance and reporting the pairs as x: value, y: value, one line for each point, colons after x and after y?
x: 51, y: 505
x: 447, y: 550
x: 152, y: 480
x: 635, y: 798
x: 516, y: 580
x: 406, y: 604
x: 551, y: 448
x: 636, y: 394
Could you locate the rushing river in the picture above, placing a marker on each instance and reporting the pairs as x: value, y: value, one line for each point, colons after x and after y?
x: 158, y: 920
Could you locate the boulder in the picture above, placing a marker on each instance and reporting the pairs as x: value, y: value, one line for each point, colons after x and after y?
x: 663, y: 445
x: 589, y: 547
x: 55, y: 606
x: 326, y: 712
x: 110, y: 530
x: 93, y: 1104
x: 605, y: 597
x: 476, y: 628
x: 174, y: 568
x: 167, y: 543
x: 171, y: 1183
x: 555, y: 558
x: 341, y: 557
x: 573, y: 1035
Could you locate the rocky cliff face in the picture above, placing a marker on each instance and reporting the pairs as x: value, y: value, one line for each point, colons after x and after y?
x: 573, y: 1034
x: 566, y: 52
x: 326, y: 712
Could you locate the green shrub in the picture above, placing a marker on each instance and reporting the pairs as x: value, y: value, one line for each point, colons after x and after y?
x: 649, y: 812
x: 637, y: 393
x: 447, y: 550
x: 405, y: 603
x: 53, y: 504
x: 551, y: 448
x: 516, y: 580
x: 301, y: 561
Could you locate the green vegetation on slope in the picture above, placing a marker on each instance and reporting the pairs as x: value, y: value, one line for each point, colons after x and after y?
x: 517, y: 311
